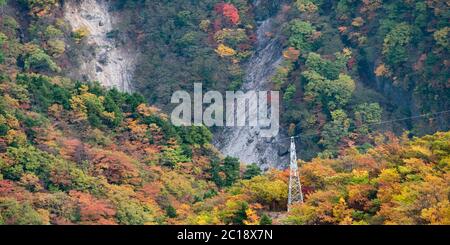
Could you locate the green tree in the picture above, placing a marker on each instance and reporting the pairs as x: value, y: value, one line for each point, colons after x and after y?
x: 366, y: 114
x: 2, y: 57
x: 195, y: 135
x: 300, y: 33
x: 216, y: 169
x: 396, y: 43
x: 289, y: 93
x: 3, y: 128
x: 52, y: 32
x: 326, y: 68
x: 172, y: 156
x: 184, y: 18
x: 251, y: 171
x: 171, y: 212
x: 13, y: 212
x: 3, y: 39
x: 331, y: 93
x: 231, y: 170
x: 36, y: 58
x: 27, y: 159
x: 225, y: 173
x: 235, y: 212
x: 265, y: 220
x: 335, y: 130
x: 43, y: 92
x: 111, y: 106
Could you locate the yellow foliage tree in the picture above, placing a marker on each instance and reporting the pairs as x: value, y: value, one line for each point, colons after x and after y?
x: 224, y: 51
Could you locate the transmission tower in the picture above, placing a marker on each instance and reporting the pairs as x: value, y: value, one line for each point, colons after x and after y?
x: 295, y: 188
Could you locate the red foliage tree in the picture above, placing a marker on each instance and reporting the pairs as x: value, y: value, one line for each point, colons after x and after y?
x: 9, y: 189
x: 229, y: 11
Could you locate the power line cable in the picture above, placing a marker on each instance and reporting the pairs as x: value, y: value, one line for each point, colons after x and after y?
x: 377, y: 123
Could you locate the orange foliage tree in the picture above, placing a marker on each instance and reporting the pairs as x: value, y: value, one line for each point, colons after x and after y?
x: 93, y: 210
x: 117, y: 167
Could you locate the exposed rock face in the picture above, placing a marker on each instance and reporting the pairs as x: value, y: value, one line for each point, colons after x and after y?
x: 111, y: 65
x: 245, y: 142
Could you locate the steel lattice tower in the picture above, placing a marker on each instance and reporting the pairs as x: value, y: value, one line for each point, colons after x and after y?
x: 295, y: 188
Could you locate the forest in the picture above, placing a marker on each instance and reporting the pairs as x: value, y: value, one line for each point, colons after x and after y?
x: 73, y: 151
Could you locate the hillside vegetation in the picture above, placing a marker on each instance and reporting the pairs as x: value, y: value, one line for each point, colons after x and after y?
x: 346, y: 63
x: 74, y: 152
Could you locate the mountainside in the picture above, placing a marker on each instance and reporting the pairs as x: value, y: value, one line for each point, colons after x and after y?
x: 112, y: 62
x: 259, y: 70
x: 85, y: 87
x: 339, y: 65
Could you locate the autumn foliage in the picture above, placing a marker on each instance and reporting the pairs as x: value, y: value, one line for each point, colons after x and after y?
x: 229, y: 11
x: 77, y: 153
x: 93, y: 210
x: 388, y: 185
